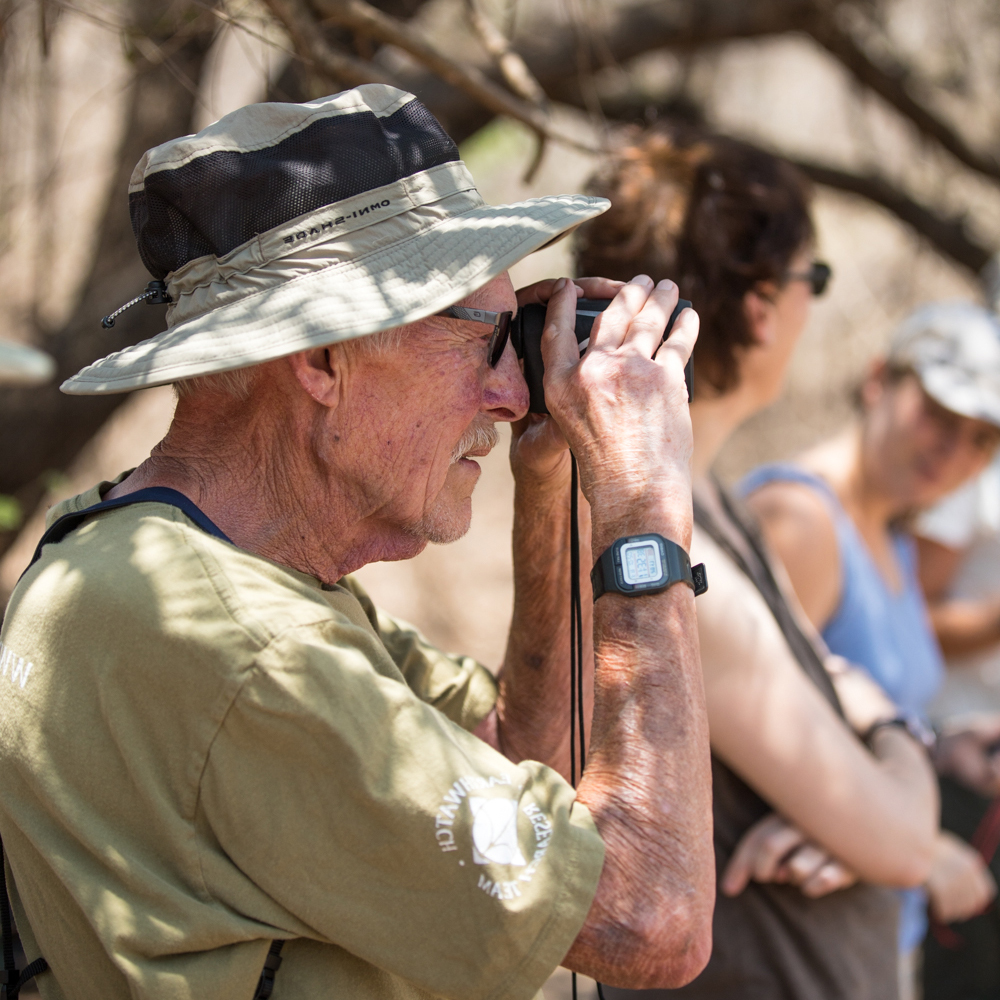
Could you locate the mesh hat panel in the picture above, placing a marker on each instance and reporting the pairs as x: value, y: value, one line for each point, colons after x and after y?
x: 216, y: 202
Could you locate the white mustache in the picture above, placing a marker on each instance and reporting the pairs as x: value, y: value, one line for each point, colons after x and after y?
x: 478, y: 437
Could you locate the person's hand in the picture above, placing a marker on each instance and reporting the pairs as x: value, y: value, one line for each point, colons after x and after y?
x: 773, y: 850
x: 623, y: 411
x: 960, y: 885
x: 967, y: 752
x: 538, y: 447
x: 863, y: 701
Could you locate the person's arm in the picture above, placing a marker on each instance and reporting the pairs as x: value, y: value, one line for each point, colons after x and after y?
x: 962, y: 626
x: 960, y: 885
x: 874, y: 811
x: 647, y: 783
x: 773, y: 850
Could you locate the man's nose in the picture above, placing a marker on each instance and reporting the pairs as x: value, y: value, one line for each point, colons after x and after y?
x: 505, y: 395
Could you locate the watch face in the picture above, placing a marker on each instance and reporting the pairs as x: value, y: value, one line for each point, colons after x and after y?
x: 641, y: 562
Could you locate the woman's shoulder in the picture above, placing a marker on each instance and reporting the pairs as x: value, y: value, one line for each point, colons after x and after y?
x: 800, y: 525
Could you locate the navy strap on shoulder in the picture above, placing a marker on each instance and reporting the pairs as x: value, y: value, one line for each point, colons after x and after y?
x: 152, y: 494
x: 10, y: 978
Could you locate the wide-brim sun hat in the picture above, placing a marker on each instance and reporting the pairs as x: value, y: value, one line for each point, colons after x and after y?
x: 284, y: 227
x: 954, y: 349
x: 24, y: 365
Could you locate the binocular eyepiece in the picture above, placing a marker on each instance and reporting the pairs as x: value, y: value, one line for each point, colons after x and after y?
x: 526, y: 336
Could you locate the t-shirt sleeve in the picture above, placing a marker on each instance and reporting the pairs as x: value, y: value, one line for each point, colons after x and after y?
x: 363, y: 817
x: 458, y: 686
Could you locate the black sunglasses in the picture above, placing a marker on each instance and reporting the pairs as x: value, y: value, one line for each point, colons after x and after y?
x: 818, y: 276
x: 499, y: 321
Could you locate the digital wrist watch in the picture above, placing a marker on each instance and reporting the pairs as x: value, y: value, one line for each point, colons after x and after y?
x: 645, y: 564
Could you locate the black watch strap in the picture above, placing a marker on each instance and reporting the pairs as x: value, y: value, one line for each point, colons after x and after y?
x: 607, y: 576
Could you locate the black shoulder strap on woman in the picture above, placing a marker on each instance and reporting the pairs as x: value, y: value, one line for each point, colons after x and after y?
x: 801, y: 645
x: 12, y: 980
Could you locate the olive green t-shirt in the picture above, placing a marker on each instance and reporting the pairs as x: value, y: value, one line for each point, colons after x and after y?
x: 202, y: 750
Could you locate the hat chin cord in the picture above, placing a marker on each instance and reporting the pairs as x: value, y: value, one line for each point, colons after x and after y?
x: 154, y: 295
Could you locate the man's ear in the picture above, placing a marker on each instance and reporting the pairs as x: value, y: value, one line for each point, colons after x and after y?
x: 758, y: 309
x: 320, y: 372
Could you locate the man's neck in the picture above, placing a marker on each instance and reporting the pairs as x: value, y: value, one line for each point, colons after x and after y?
x: 319, y: 532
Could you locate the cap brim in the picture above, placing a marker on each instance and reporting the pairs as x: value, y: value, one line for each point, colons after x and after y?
x: 22, y: 365
x: 404, y: 282
x: 957, y: 392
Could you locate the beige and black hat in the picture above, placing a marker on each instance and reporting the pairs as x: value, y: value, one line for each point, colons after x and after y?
x: 288, y: 226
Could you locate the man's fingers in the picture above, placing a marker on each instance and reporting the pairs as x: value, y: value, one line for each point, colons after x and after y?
x: 598, y: 288
x: 559, y: 345
x: 612, y: 326
x: 683, y: 337
x: 540, y: 292
x: 645, y: 333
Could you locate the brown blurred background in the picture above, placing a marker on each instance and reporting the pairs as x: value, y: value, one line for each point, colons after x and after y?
x: 893, y: 106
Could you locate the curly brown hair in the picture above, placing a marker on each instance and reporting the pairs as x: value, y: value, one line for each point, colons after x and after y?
x: 715, y: 215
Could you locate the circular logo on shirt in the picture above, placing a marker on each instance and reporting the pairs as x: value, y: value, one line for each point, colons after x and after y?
x: 493, y: 806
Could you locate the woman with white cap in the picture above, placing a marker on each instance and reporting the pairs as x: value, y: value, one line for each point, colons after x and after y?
x: 930, y: 420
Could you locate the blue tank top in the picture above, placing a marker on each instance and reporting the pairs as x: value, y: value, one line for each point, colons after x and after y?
x: 887, y: 633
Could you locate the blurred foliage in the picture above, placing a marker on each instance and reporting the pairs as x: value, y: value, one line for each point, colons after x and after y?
x: 11, y: 514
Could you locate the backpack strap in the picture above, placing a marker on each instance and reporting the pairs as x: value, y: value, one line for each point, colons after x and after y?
x: 152, y: 494
x: 271, y: 965
x: 11, y: 978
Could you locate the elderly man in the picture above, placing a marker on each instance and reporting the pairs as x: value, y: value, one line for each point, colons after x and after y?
x: 211, y: 740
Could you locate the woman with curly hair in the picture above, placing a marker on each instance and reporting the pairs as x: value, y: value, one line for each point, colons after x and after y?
x: 821, y: 806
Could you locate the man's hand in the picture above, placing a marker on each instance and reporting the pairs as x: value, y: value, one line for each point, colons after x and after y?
x: 623, y: 411
x: 773, y: 850
x: 960, y: 885
x: 539, y: 449
x: 967, y: 751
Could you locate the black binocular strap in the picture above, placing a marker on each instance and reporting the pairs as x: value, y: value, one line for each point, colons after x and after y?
x: 12, y: 980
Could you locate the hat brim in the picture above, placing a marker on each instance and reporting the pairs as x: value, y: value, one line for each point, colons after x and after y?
x: 956, y: 391
x: 23, y: 365
x: 399, y: 284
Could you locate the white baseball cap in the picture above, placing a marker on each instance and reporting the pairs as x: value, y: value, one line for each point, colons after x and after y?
x: 954, y: 349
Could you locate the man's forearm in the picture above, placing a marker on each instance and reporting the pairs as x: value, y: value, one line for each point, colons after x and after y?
x: 533, y: 709
x: 648, y: 787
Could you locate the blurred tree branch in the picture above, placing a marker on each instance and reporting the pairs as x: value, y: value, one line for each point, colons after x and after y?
x: 892, y: 86
x: 338, y: 42
x: 949, y: 236
x: 361, y: 16
x: 43, y: 429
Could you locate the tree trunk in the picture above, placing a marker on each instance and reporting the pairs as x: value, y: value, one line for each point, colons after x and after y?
x: 43, y: 429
